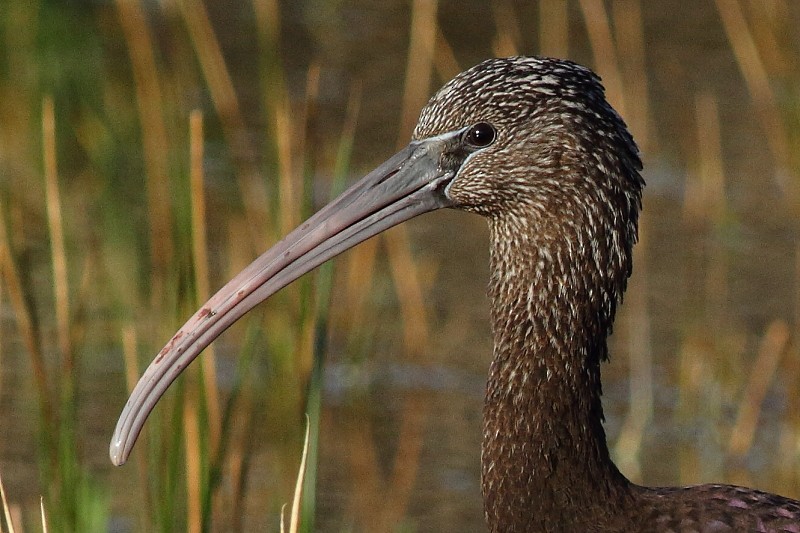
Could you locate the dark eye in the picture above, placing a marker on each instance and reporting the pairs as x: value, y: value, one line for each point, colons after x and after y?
x: 481, y: 135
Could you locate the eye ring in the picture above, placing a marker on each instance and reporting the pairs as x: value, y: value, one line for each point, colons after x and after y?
x: 481, y: 135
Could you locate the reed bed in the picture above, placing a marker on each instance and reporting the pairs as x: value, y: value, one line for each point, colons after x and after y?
x: 131, y: 195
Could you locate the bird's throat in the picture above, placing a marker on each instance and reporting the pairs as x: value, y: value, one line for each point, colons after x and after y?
x: 544, y: 446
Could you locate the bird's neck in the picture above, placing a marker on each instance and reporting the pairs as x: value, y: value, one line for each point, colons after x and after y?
x: 545, y: 458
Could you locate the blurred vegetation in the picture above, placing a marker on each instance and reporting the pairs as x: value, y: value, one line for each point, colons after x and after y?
x: 148, y: 151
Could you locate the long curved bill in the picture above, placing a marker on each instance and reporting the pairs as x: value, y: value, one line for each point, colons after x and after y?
x: 410, y: 183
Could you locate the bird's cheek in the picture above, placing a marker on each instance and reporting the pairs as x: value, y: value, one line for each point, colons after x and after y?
x: 460, y: 192
x: 470, y: 194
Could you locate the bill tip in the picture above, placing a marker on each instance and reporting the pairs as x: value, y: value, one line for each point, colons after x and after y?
x: 117, y: 453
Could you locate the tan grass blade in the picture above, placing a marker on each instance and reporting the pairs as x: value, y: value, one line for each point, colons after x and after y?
x: 239, y: 452
x: 406, y: 277
x: 43, y: 514
x: 129, y: 356
x: 155, y: 140
x: 445, y: 60
x: 190, y: 407
x: 693, y: 374
x: 194, y: 523
x: 629, y: 31
x: 756, y: 77
x: 55, y: 223
x: 286, y: 169
x: 508, y: 38
x: 705, y: 199
x: 201, y: 275
x: 410, y: 293
x: 294, y: 521
x: 421, y: 51
x: 361, y: 262
x: 223, y: 95
x: 771, y: 25
x: 22, y: 315
x: 306, y: 162
x: 419, y: 71
x: 604, y: 51
x: 553, y: 28
x: 6, y: 511
x: 773, y: 346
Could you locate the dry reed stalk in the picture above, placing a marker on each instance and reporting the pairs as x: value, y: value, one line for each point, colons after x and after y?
x: 421, y: 51
x: 606, y: 62
x: 716, y: 291
x: 788, y: 453
x: 360, y: 261
x: 769, y: 20
x: 239, y: 445
x: 773, y: 346
x: 509, y: 37
x: 223, y: 95
x: 382, y: 507
x: 692, y: 375
x: 86, y: 292
x: 445, y: 61
x: 6, y: 510
x: 416, y: 407
x: 155, y: 142
x: 267, y: 17
x: 410, y: 293
x: 191, y: 423
x: 201, y: 275
x: 757, y: 80
x: 56, y: 227
x: 129, y: 352
x: 348, y: 133
x: 129, y: 356
x: 304, y: 177
x: 369, y: 496
x: 359, y: 272
x: 23, y: 316
x: 704, y: 198
x: 237, y: 459
x: 20, y: 43
x: 211, y: 396
x: 710, y: 207
x: 288, y: 204
x: 553, y: 28
x: 267, y: 13
x: 796, y: 295
x: 419, y: 71
x: 294, y: 522
x: 42, y: 514
x: 360, y: 268
x: 379, y: 505
x: 305, y: 138
x: 640, y: 360
x: 627, y: 15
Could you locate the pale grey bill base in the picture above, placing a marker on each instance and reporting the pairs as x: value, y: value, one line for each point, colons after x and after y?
x: 408, y: 184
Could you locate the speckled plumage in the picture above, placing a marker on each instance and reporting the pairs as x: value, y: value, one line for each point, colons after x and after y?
x: 561, y: 189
